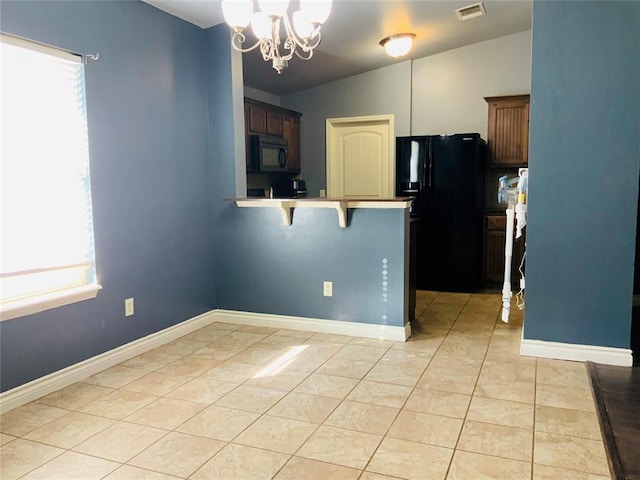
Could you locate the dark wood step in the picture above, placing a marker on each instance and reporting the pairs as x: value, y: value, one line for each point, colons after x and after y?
x: 617, y: 394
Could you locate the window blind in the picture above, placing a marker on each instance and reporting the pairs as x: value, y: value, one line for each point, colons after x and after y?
x: 47, y: 242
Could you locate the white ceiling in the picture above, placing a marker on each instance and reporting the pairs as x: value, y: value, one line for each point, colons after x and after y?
x: 351, y: 35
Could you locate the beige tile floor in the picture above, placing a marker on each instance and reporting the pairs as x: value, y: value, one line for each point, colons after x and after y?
x: 230, y: 402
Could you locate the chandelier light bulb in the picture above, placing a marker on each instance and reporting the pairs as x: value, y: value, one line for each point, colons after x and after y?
x: 302, y: 25
x: 273, y: 8
x: 317, y: 11
x: 237, y: 13
x: 398, y: 45
x: 261, y: 25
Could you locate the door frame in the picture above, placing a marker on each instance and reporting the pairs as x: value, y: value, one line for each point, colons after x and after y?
x: 333, y: 123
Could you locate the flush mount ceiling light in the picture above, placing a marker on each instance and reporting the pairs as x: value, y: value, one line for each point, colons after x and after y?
x: 270, y: 20
x: 399, y: 44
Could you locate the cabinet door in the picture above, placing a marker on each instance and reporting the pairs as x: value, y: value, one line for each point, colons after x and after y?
x: 508, y: 130
x: 291, y: 133
x: 257, y: 119
x: 494, y: 240
x: 494, y: 257
x: 274, y: 123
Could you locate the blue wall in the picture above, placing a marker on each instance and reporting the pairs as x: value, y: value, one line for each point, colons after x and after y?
x: 147, y: 116
x: 272, y: 268
x: 584, y: 160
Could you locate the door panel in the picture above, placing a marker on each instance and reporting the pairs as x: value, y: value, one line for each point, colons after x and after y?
x: 274, y: 123
x: 257, y: 119
x: 360, y: 159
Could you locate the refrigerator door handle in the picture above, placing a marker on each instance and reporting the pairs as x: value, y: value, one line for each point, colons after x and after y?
x: 430, y: 163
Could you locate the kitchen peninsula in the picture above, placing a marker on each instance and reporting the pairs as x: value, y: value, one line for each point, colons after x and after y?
x: 286, y: 205
x: 360, y: 246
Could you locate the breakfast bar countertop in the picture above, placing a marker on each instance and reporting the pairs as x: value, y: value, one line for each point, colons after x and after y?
x: 340, y: 204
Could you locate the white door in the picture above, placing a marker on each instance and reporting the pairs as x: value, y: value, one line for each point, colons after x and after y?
x: 360, y: 157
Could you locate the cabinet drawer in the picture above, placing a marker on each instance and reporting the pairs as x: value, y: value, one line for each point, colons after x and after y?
x: 496, y: 222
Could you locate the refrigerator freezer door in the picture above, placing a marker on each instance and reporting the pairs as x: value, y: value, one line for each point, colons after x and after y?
x: 449, y: 252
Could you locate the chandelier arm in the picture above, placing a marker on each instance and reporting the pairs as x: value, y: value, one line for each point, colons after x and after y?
x: 304, y: 45
x: 316, y: 40
x: 291, y: 46
x: 288, y: 43
x: 238, y: 39
x: 301, y: 56
x: 266, y: 48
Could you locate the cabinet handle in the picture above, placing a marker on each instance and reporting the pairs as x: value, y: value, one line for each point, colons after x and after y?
x: 282, y: 158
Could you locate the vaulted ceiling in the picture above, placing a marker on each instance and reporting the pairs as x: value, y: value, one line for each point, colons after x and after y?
x: 351, y: 35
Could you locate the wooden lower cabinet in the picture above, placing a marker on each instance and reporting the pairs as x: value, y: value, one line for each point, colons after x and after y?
x: 494, y: 240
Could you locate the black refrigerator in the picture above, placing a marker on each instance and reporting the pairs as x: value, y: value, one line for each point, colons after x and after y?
x: 445, y: 174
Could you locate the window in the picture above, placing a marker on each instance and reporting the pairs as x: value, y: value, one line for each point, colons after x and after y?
x: 46, y: 251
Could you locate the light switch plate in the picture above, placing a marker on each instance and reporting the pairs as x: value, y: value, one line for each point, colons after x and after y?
x: 327, y: 289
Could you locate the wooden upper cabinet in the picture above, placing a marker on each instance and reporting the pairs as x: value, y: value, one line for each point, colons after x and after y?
x: 257, y: 118
x: 274, y: 123
x: 508, y: 130
x: 262, y: 118
x: 291, y: 133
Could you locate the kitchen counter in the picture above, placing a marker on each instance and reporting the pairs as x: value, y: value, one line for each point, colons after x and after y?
x: 285, y: 205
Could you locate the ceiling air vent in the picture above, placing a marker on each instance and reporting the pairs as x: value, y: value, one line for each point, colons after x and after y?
x: 470, y: 11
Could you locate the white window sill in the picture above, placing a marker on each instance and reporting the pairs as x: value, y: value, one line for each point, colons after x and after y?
x: 41, y: 303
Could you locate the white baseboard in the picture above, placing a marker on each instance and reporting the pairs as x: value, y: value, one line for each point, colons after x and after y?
x: 581, y: 353
x: 383, y: 332
x: 74, y: 373
x: 42, y: 386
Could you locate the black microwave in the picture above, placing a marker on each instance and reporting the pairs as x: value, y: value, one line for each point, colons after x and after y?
x: 268, y: 153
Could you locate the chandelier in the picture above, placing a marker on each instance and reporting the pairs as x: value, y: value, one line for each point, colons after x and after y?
x: 278, y: 38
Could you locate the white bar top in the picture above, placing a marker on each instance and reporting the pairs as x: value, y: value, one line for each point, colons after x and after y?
x: 324, y: 202
x: 340, y: 204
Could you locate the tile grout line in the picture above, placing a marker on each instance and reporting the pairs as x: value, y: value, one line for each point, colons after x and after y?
x: 291, y: 391
x: 364, y: 469
x: 173, y: 430
x: 338, y: 405
x: 207, y: 406
x: 386, y: 350
x: 455, y: 448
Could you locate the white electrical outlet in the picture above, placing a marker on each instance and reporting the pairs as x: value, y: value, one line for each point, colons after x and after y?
x: 128, y: 307
x: 323, y: 193
x: 327, y: 289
